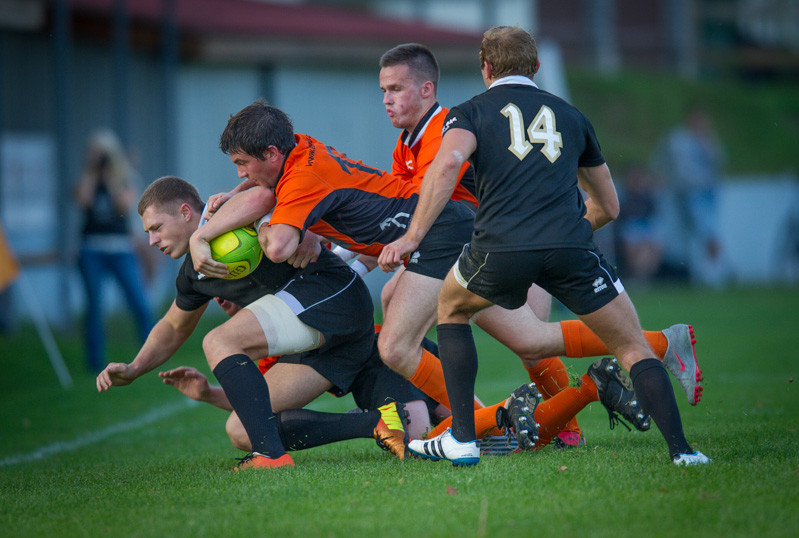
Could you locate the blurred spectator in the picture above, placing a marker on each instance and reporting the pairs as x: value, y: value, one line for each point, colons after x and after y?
x: 690, y: 158
x: 105, y: 193
x: 640, y: 242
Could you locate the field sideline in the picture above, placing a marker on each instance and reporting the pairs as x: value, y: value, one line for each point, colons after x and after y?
x: 144, y: 461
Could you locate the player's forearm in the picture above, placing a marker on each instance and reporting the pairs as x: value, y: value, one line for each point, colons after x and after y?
x: 436, y: 190
x: 602, y: 205
x: 217, y: 397
x: 245, y: 184
x: 241, y: 210
x: 162, y: 342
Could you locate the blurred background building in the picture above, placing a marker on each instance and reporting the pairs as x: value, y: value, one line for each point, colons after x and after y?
x: 165, y: 75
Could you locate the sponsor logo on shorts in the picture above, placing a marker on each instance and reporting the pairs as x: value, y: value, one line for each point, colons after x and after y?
x: 414, y: 257
x: 599, y: 284
x: 393, y: 221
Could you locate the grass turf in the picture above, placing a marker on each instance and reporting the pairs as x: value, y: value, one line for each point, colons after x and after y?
x: 141, y: 461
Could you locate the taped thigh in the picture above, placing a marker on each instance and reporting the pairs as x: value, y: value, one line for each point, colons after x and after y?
x: 284, y: 332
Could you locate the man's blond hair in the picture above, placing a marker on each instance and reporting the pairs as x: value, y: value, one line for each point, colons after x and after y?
x: 510, y: 50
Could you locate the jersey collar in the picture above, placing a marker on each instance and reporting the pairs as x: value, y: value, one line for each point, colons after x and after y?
x: 410, y: 139
x: 514, y: 79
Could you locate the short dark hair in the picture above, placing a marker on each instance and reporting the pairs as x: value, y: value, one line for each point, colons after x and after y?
x: 256, y: 127
x: 510, y: 50
x: 419, y: 59
x: 170, y: 191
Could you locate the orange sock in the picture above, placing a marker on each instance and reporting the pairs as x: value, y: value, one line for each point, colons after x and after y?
x: 485, y: 420
x: 658, y: 343
x: 582, y: 342
x: 550, y: 376
x: 429, y: 378
x: 552, y: 415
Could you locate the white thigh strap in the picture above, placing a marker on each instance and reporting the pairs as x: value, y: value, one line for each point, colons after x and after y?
x: 284, y: 332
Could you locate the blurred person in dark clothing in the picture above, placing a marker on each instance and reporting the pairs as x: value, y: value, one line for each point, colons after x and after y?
x: 105, y: 193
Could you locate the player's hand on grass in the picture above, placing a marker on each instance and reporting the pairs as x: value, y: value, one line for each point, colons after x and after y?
x: 189, y: 381
x: 392, y: 254
x: 116, y: 374
x: 203, y: 261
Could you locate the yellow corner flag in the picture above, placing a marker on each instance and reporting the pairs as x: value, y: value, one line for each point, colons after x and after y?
x: 9, y: 267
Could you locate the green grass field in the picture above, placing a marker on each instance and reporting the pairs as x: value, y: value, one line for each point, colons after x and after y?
x: 142, y: 461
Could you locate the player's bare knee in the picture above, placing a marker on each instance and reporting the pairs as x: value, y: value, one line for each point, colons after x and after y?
x: 388, y: 353
x: 210, y: 344
x: 393, y: 352
x: 529, y: 362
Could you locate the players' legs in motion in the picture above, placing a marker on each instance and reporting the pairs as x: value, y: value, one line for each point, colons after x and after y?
x: 291, y: 386
x: 228, y: 349
x: 533, y: 339
x: 411, y: 312
x: 388, y: 288
x: 617, y: 325
x: 456, y: 306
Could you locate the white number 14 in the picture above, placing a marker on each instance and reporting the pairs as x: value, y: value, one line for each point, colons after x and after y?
x: 541, y: 131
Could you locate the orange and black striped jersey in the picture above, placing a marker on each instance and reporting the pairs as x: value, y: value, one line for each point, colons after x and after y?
x: 357, y: 206
x: 416, y: 150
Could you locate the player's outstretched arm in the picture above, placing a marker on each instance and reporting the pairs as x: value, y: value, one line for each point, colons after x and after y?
x: 602, y: 205
x: 167, y: 336
x: 194, y: 384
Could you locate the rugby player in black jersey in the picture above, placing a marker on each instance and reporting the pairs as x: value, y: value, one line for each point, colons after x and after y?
x: 530, y: 151
x: 319, y: 316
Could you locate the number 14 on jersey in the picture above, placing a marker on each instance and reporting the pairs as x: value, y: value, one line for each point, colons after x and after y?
x: 542, y: 130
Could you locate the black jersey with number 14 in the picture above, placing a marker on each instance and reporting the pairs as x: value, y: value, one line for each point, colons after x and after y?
x: 529, y: 146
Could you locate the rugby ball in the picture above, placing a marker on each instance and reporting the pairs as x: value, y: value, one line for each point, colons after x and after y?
x: 239, y: 250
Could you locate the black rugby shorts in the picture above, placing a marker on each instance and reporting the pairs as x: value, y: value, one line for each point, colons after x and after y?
x: 581, y: 279
x: 439, y: 249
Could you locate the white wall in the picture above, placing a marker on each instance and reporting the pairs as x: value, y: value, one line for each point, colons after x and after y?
x: 206, y: 97
x: 755, y: 214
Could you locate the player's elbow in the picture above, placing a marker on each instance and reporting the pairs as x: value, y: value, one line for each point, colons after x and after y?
x: 451, y: 164
x: 277, y: 253
x: 612, y: 211
x: 262, y: 199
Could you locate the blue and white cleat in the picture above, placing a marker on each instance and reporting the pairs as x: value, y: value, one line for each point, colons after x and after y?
x: 697, y: 458
x: 446, y: 447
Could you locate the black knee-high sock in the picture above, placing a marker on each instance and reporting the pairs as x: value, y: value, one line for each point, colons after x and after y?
x: 302, y: 428
x: 248, y: 394
x: 654, y: 391
x: 459, y: 361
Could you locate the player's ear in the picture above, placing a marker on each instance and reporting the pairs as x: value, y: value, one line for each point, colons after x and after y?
x: 537, y: 65
x: 186, y: 211
x: 271, y: 153
x: 427, y: 89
